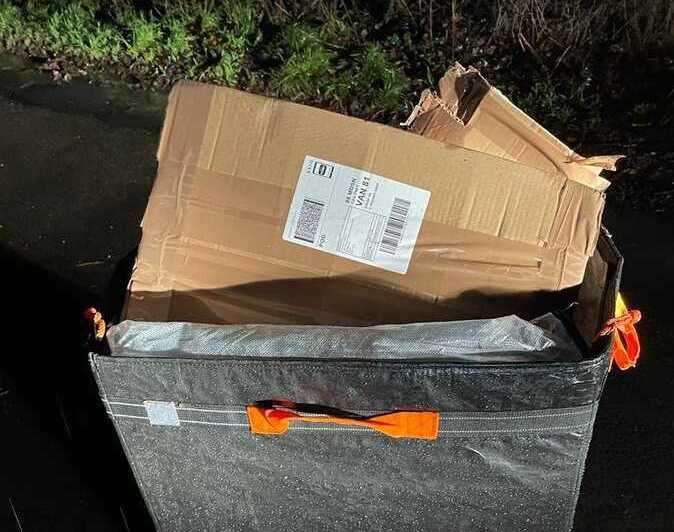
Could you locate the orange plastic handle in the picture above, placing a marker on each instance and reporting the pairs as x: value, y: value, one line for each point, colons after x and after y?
x: 276, y: 419
x: 624, y: 354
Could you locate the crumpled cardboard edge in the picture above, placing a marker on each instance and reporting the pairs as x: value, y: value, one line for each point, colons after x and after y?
x: 460, y: 96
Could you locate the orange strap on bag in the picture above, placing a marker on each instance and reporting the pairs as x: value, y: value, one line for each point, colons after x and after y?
x: 624, y: 353
x: 274, y: 418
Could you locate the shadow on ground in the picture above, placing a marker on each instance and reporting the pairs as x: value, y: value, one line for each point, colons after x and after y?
x: 74, y: 188
x: 628, y: 483
x: 62, y: 467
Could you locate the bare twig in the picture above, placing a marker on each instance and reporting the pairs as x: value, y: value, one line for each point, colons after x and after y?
x: 526, y: 45
x: 125, y: 522
x: 454, y: 25
x: 89, y: 263
x: 430, y: 19
x: 407, y: 8
x: 16, y: 516
x: 64, y: 419
x: 561, y: 58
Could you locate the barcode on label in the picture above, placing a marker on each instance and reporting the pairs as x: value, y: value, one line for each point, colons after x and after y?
x: 395, y: 224
x: 308, y: 220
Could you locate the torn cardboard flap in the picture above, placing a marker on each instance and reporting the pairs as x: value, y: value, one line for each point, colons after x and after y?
x: 229, y: 163
x: 472, y: 114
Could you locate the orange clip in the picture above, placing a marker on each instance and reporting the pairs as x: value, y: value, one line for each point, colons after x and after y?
x: 624, y: 354
x: 96, y: 318
x: 275, y: 419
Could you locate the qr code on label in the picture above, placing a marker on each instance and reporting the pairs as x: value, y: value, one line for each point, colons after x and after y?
x: 308, y: 220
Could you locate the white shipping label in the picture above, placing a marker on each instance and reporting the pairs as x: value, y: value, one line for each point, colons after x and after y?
x: 355, y: 214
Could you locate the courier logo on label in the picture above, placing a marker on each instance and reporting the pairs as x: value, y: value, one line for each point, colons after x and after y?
x: 322, y: 169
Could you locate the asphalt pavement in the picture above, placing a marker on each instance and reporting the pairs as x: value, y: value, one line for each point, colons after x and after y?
x: 76, y: 167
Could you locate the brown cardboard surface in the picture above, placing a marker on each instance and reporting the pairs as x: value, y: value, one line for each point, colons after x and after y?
x: 470, y: 113
x: 212, y: 250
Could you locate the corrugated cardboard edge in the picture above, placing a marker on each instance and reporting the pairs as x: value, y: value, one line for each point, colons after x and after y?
x: 442, y: 116
x: 160, y: 303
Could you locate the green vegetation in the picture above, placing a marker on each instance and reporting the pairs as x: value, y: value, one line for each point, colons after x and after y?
x: 11, y: 24
x: 198, y: 40
x: 233, y: 32
x: 312, y: 68
x: 307, y: 68
x: 145, y: 39
x: 360, y: 57
x: 315, y: 58
x: 381, y: 81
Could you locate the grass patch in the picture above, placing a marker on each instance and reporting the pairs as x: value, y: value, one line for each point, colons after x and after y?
x: 307, y: 64
x: 384, y: 83
x: 11, y: 24
x: 371, y: 59
x: 75, y: 30
x: 145, y: 40
x: 316, y: 67
x: 317, y: 57
x: 232, y: 31
x: 179, y: 40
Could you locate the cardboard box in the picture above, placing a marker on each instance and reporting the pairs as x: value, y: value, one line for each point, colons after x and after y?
x: 470, y: 113
x: 449, y: 234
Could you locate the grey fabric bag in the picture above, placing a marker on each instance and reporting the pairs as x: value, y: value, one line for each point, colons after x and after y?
x: 509, y: 454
